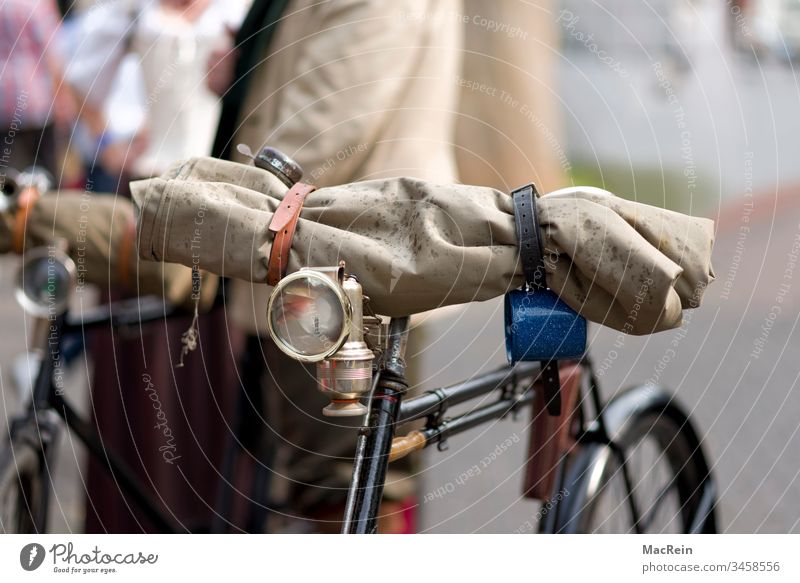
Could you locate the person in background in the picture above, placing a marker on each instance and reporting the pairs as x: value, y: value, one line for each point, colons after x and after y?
x: 377, y: 90
x: 352, y: 90
x: 170, y: 41
x: 32, y: 102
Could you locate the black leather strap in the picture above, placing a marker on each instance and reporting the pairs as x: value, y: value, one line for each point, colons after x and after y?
x: 531, y: 250
x: 531, y: 255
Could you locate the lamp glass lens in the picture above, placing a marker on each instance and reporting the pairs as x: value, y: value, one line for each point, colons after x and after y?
x: 308, y: 316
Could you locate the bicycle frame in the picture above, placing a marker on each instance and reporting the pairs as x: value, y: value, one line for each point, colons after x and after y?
x: 387, y: 411
x: 515, y: 384
x: 46, y: 396
x: 374, y: 450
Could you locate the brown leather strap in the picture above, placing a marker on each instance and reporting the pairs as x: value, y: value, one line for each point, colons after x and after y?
x: 283, y: 224
x: 550, y: 436
x: 124, y: 266
x: 26, y: 201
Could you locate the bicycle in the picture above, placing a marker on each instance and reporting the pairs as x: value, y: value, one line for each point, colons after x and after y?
x: 27, y: 458
x: 317, y: 315
x: 43, y: 287
x: 596, y: 460
x: 600, y: 465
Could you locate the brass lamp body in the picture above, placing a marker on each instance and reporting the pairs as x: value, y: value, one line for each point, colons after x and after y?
x: 346, y: 376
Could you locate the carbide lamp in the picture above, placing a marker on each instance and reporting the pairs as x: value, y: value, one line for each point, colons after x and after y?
x: 316, y: 315
x: 45, y: 280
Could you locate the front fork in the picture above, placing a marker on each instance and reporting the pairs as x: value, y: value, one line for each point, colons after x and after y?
x: 375, y: 437
x: 39, y: 427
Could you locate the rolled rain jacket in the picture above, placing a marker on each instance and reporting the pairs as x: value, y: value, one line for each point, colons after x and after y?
x: 100, y: 236
x: 416, y: 246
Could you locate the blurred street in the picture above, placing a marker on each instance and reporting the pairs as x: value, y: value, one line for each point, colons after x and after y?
x: 686, y: 126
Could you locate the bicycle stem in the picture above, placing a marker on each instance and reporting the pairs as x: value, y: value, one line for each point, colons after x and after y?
x: 375, y: 438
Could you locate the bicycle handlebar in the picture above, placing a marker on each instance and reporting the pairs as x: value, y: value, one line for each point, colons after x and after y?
x: 122, y: 313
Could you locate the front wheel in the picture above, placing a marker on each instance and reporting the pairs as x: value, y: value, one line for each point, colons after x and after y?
x: 650, y: 477
x: 23, y: 495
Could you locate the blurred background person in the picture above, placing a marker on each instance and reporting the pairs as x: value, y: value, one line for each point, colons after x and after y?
x: 168, y: 42
x: 352, y: 90
x: 32, y: 102
x: 139, y: 67
x: 369, y: 92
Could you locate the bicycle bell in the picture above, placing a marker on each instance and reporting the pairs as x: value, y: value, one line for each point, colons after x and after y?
x: 44, y: 281
x: 9, y: 189
x: 36, y: 177
x: 12, y: 183
x: 316, y: 315
x: 273, y: 160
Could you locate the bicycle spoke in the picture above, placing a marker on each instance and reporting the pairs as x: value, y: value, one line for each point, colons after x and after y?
x: 655, y: 476
x: 658, y: 505
x: 612, y: 510
x: 628, y: 490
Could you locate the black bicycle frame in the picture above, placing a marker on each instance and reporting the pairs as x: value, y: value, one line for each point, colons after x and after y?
x: 132, y: 314
x: 387, y: 411
x: 46, y: 395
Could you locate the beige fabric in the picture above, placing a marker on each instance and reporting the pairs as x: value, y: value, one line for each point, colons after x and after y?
x: 417, y: 245
x: 93, y: 227
x: 508, y: 129
x: 355, y: 89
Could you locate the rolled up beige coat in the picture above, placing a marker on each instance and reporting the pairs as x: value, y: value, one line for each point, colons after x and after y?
x: 100, y: 237
x: 416, y: 246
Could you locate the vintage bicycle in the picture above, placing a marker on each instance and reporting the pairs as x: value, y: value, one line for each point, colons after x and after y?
x: 632, y: 464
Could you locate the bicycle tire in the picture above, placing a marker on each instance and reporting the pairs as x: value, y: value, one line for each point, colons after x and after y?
x: 23, y: 494
x: 594, y: 493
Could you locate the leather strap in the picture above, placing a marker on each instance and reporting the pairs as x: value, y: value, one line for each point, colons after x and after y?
x: 551, y: 387
x: 26, y: 201
x: 124, y: 266
x: 283, y: 225
x: 531, y: 250
x: 550, y: 436
x: 531, y: 255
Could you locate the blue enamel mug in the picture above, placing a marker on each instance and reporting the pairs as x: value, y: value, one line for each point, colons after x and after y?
x: 539, y: 326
